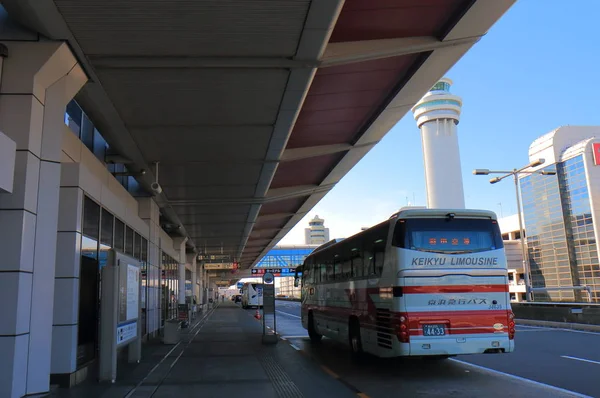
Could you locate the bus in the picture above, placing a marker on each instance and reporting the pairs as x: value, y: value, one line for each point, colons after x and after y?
x: 427, y: 282
x: 252, y: 295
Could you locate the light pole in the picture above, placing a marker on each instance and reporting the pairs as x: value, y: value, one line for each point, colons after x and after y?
x: 515, y: 173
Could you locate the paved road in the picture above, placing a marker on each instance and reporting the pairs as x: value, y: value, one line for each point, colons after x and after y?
x: 568, y: 360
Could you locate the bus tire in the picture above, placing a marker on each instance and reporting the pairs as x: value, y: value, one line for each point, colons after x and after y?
x: 314, y: 336
x: 354, y: 338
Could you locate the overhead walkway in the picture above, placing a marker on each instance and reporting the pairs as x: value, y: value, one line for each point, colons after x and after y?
x: 220, y: 355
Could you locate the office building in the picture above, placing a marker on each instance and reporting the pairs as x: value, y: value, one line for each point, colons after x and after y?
x: 316, y: 233
x: 509, y: 227
x: 562, y: 213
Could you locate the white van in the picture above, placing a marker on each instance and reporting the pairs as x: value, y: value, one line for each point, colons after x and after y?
x: 252, y: 295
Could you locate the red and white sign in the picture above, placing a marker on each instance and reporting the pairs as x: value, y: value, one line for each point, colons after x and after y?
x: 596, y: 149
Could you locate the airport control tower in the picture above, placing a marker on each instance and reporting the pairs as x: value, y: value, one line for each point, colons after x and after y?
x: 437, y: 115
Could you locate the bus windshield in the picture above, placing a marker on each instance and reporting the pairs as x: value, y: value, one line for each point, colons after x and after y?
x: 449, y: 236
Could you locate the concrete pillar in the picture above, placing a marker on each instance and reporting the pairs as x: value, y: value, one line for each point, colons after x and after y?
x: 191, y: 260
x: 149, y: 211
x: 38, y: 80
x: 179, y: 245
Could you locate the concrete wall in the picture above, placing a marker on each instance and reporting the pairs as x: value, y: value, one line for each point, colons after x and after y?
x: 82, y: 174
x: 570, y: 313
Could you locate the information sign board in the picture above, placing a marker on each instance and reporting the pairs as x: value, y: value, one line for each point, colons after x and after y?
x: 126, y: 331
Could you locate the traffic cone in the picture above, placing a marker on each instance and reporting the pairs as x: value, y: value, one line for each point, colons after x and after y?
x: 257, y: 315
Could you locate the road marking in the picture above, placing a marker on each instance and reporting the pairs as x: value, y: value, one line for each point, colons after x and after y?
x: 580, y: 359
x: 556, y: 329
x: 295, y: 347
x: 288, y: 314
x: 330, y: 372
x: 537, y: 383
x: 296, y: 337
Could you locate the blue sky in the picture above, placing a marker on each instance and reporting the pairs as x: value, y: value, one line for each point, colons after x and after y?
x: 535, y: 70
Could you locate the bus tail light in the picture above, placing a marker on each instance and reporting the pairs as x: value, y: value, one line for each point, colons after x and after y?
x: 403, y: 329
x: 511, y: 325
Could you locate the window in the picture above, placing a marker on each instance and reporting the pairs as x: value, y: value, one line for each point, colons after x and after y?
x: 91, y: 218
x: 119, y: 235
x: 458, y: 235
x: 106, y: 234
x: 144, y: 250
x: 137, y: 248
x: 357, y: 262
x: 128, y: 241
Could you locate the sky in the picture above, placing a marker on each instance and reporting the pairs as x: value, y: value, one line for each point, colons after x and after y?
x: 535, y: 70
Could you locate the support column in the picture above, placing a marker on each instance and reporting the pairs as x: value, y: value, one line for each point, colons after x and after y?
x: 179, y: 245
x: 38, y: 80
x: 149, y: 212
x: 191, y: 260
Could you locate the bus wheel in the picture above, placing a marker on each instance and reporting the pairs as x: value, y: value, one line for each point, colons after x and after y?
x: 355, y: 340
x: 314, y: 336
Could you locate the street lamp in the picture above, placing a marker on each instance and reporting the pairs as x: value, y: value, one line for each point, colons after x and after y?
x: 515, y: 173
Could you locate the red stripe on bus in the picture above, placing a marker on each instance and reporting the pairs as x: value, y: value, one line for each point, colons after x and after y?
x: 460, y: 322
x: 455, y: 289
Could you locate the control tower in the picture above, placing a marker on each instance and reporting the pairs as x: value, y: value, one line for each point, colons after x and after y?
x: 437, y: 115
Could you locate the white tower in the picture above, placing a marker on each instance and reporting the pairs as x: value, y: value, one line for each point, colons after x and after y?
x: 437, y: 115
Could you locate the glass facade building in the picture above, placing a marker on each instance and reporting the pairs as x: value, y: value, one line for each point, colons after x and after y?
x: 562, y: 246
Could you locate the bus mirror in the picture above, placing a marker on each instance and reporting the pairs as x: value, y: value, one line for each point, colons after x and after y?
x: 296, y: 282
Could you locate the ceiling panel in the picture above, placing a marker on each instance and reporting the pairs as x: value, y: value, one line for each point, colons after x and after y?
x: 188, y: 28
x: 394, y: 18
x: 208, y: 143
x: 278, y: 223
x: 210, y: 174
x: 309, y: 171
x: 208, y: 191
x: 282, y: 206
x: 216, y: 210
x: 210, y: 218
x: 191, y: 97
x: 321, y: 134
x: 361, y: 87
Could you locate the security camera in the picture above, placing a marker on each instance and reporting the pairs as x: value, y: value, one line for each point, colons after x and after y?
x: 156, y: 188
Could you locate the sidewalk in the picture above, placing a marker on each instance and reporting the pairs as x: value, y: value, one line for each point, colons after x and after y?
x: 221, y: 355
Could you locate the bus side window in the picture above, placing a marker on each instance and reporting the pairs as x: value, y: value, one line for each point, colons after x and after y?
x: 337, y: 267
x: 330, y: 271
x: 310, y: 270
x: 368, y: 267
x: 346, y: 266
x: 357, y: 263
x: 323, y: 268
x: 379, y: 244
x: 379, y: 254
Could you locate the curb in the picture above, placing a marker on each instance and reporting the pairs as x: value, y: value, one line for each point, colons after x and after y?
x: 559, y: 325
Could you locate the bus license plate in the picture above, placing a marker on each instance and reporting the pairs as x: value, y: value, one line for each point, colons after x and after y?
x: 434, y: 330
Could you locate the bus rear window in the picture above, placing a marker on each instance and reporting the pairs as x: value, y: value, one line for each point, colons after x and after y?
x: 439, y: 235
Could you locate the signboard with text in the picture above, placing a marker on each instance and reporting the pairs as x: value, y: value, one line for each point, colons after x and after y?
x: 596, y: 149
x: 215, y: 266
x: 277, y: 272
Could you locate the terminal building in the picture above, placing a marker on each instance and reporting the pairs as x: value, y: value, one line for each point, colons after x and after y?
x: 236, y: 114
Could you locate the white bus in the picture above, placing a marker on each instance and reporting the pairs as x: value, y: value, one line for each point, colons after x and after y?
x: 427, y: 282
x: 252, y: 295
